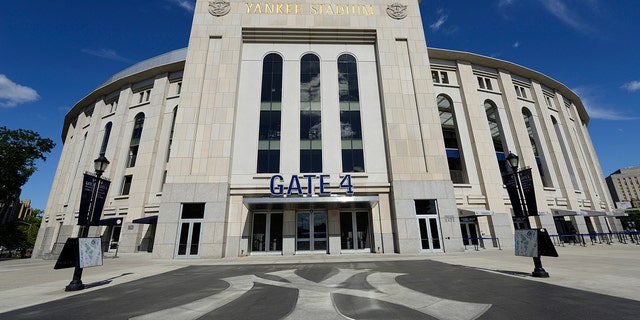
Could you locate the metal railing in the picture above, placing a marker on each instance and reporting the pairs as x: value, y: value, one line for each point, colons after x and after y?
x: 596, y: 238
x: 479, y: 242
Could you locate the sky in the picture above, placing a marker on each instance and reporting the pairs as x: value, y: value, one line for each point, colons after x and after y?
x: 52, y: 54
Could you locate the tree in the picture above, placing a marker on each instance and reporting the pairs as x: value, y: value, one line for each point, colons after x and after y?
x: 19, y: 150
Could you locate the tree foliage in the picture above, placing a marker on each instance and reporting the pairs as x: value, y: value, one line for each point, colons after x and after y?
x: 19, y: 150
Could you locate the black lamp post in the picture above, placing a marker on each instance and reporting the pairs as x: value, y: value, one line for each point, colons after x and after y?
x: 514, y: 162
x: 100, y: 165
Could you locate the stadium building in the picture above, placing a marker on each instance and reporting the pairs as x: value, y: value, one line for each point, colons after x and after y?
x: 322, y: 128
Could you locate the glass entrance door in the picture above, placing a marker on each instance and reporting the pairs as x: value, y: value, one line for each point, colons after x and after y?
x: 311, y: 233
x: 189, y: 241
x: 267, y: 232
x: 191, y: 220
x: 429, y: 233
x: 354, y: 231
x: 114, y: 238
x: 469, y: 230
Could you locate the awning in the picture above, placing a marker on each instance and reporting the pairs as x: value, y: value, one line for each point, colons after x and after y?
x: 111, y: 221
x: 147, y: 220
x: 471, y: 212
x: 594, y: 213
x: 340, y: 202
x: 563, y: 212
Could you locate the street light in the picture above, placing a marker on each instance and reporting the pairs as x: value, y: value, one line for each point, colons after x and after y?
x: 514, y: 162
x: 100, y: 165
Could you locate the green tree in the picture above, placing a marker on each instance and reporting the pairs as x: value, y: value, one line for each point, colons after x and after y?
x: 19, y: 150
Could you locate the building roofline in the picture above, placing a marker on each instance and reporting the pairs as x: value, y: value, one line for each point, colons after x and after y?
x: 166, y: 62
x: 445, y: 54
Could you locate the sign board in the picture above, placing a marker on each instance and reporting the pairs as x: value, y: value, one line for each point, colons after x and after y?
x: 545, y: 246
x: 534, y: 243
x: 90, y: 252
x: 526, y: 242
x: 68, y: 258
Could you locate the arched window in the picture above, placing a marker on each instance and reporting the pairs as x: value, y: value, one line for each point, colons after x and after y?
x: 270, y: 115
x: 451, y: 143
x: 105, y: 138
x: 496, y: 136
x: 528, y: 122
x: 350, y: 122
x: 310, y: 115
x: 135, y: 139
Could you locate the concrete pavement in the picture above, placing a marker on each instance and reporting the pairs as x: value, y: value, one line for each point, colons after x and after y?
x: 605, y: 269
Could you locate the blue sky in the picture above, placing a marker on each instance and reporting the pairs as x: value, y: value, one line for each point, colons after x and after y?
x: 55, y: 53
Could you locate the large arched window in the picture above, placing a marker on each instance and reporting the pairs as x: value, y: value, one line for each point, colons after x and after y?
x: 528, y: 122
x: 310, y: 115
x: 350, y: 123
x: 451, y: 142
x: 270, y: 115
x: 135, y: 140
x: 496, y: 136
x: 105, y: 138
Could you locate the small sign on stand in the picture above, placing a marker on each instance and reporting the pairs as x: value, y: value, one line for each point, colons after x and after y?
x: 534, y: 243
x: 80, y: 252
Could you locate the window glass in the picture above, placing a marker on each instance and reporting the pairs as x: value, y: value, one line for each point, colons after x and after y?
x: 450, y: 134
x: 270, y: 115
x: 310, y: 115
x: 426, y: 207
x: 105, y: 138
x: 126, y: 185
x: 350, y: 122
x: 192, y: 211
x: 135, y: 140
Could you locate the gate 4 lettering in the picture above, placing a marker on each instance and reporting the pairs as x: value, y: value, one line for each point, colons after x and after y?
x: 297, y: 183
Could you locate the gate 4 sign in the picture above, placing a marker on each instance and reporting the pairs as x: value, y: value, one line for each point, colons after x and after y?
x: 295, y: 186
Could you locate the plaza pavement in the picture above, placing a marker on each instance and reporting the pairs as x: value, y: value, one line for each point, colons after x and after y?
x: 605, y: 269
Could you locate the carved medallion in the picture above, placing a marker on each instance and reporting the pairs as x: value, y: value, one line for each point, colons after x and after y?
x: 397, y: 11
x: 219, y: 8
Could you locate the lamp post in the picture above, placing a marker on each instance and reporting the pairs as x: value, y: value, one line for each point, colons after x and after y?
x: 100, y: 165
x: 514, y: 162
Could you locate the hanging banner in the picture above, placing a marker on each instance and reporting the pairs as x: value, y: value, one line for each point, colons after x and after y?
x: 526, y: 182
x: 88, y: 183
x: 85, y: 198
x: 101, y: 197
x: 512, y: 189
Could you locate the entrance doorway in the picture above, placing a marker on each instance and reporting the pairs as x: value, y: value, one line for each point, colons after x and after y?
x: 469, y: 228
x: 428, y: 225
x: 267, y: 232
x: 114, y: 238
x: 311, y: 233
x: 191, y: 220
x: 354, y: 231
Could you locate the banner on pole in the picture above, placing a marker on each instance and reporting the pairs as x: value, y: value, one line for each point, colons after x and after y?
x: 526, y: 182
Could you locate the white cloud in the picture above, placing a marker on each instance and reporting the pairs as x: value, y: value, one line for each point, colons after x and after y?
x: 12, y: 94
x: 567, y: 15
x: 597, y: 110
x: 632, y: 86
x: 503, y: 3
x: 188, y: 5
x: 441, y: 20
x: 517, y: 44
x: 106, y: 54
